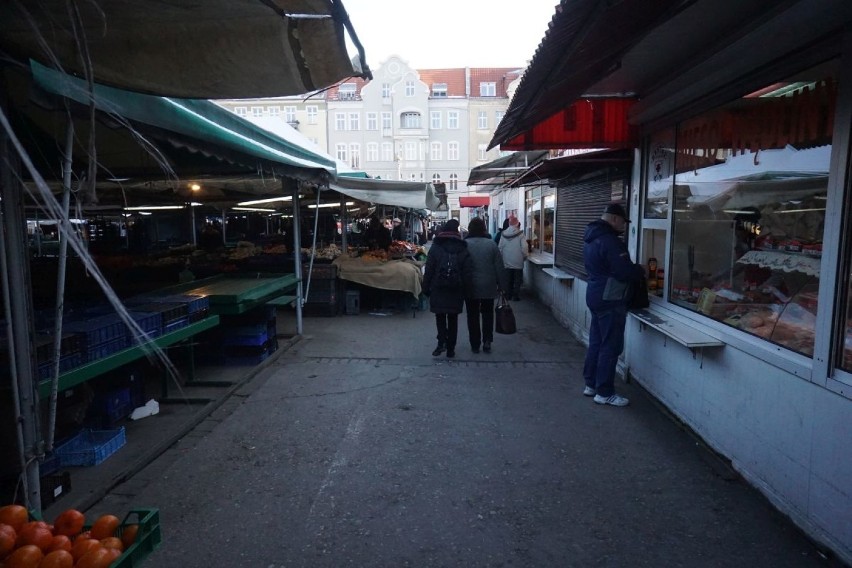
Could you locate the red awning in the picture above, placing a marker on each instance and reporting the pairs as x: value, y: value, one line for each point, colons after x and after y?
x: 477, y: 201
x: 587, y: 123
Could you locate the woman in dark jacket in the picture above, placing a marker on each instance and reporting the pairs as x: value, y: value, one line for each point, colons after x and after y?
x: 488, y: 276
x: 446, y: 299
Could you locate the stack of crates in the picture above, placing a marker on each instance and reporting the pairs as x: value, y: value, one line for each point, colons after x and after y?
x: 247, y: 339
x: 325, y: 295
x: 99, y: 336
x: 176, y: 310
x: 70, y: 355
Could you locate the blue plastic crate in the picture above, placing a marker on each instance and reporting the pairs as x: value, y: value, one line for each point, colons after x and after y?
x: 194, y: 302
x: 95, y: 352
x: 97, y: 330
x: 66, y: 363
x: 254, y: 339
x: 176, y: 324
x: 90, y: 447
x: 150, y: 322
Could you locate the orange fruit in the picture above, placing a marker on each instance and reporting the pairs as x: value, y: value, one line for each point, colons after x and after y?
x: 113, y: 542
x: 85, y: 535
x: 82, y: 546
x: 128, y: 535
x: 8, y: 536
x: 57, y: 559
x: 60, y: 542
x: 105, y: 526
x: 69, y: 522
x: 35, y: 533
x: 99, y: 557
x: 14, y: 515
x: 27, y: 556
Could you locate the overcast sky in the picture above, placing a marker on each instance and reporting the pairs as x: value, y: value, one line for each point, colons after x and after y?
x: 431, y: 34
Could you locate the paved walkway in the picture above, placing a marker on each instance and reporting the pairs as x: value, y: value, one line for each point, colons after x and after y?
x: 355, y: 447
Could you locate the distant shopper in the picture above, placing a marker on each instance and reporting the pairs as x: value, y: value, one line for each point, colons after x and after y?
x: 500, y: 230
x: 612, y: 276
x: 377, y: 236
x: 514, y: 250
x: 488, y: 276
x: 398, y: 231
x: 446, y: 281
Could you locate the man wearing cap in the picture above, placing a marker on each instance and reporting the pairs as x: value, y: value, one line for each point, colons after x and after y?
x: 612, y: 279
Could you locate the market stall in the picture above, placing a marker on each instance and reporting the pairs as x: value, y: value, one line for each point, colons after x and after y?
x: 397, y: 274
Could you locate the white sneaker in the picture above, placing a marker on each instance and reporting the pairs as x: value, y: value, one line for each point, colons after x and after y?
x: 614, y: 400
x: 588, y: 391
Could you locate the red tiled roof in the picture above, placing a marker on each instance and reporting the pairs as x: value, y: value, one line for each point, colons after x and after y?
x: 454, y: 78
x: 502, y: 76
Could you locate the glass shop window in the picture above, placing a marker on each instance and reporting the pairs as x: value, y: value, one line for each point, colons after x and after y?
x: 540, y: 219
x: 659, y: 171
x: 749, y: 194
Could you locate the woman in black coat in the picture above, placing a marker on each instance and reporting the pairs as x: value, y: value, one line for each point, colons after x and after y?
x: 446, y: 300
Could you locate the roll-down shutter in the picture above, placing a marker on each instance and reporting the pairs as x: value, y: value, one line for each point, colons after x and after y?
x: 578, y: 203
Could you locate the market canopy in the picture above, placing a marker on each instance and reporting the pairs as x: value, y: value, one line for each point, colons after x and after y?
x: 410, y: 194
x: 497, y: 173
x: 217, y: 49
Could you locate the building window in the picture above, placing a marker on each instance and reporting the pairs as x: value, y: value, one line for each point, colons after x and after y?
x: 435, y: 120
x: 453, y: 119
x: 435, y: 151
x: 372, y: 152
x: 355, y: 156
x: 452, y: 150
x: 482, y: 152
x: 257, y: 111
x: 439, y: 90
x: 354, y: 121
x: 274, y: 111
x: 241, y: 111
x: 454, y: 181
x: 748, y: 212
x: 482, y: 120
x: 410, y: 150
x: 498, y: 116
x: 340, y: 121
x: 312, y: 114
x: 372, y: 121
x: 386, y: 90
x: 412, y: 177
x: 346, y: 92
x: 387, y: 151
x: 341, y: 153
x: 290, y: 115
x: 488, y: 89
x: 410, y: 120
x: 387, y: 124
x: 436, y: 178
x: 409, y: 88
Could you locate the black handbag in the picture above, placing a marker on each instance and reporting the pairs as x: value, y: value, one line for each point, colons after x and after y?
x: 639, y: 298
x: 504, y: 317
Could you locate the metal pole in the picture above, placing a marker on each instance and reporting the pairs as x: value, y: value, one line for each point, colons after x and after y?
x: 192, y: 225
x: 297, y: 248
x: 20, y: 315
x: 64, y: 232
x: 343, y: 223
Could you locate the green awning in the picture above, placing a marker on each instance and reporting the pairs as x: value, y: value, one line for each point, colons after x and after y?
x: 197, y: 119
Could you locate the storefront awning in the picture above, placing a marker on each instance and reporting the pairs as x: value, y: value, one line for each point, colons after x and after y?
x: 475, y: 201
x: 587, y: 123
x: 217, y: 49
x: 503, y: 170
x: 201, y: 123
x: 566, y: 166
x: 409, y: 194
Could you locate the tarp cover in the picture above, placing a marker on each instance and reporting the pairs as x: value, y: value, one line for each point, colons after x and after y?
x: 217, y: 49
x: 477, y: 201
x: 410, y: 194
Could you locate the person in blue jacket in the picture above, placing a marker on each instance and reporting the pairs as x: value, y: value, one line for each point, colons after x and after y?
x: 613, y: 277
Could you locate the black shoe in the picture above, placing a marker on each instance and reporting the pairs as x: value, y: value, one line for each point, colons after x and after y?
x: 451, y: 353
x: 438, y: 350
x: 474, y: 349
x: 486, y: 347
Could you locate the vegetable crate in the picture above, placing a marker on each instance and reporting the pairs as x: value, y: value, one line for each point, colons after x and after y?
x: 148, y: 537
x: 90, y: 447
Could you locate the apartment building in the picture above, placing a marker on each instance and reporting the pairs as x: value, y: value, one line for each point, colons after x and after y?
x: 406, y: 124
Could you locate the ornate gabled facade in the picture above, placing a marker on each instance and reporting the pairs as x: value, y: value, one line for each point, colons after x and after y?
x: 406, y: 124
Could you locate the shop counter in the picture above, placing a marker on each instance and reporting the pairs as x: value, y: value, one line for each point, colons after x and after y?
x: 404, y: 275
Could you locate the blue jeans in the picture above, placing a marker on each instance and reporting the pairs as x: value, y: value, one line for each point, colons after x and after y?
x: 606, y: 342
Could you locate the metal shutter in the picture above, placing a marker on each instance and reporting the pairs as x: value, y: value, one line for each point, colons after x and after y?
x: 578, y: 203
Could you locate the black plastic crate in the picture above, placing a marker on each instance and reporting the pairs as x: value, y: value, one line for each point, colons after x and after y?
x: 194, y: 302
x: 53, y: 486
x: 199, y: 315
x: 169, y: 311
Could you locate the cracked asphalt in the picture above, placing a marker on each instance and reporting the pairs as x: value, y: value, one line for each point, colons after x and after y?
x: 356, y: 447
